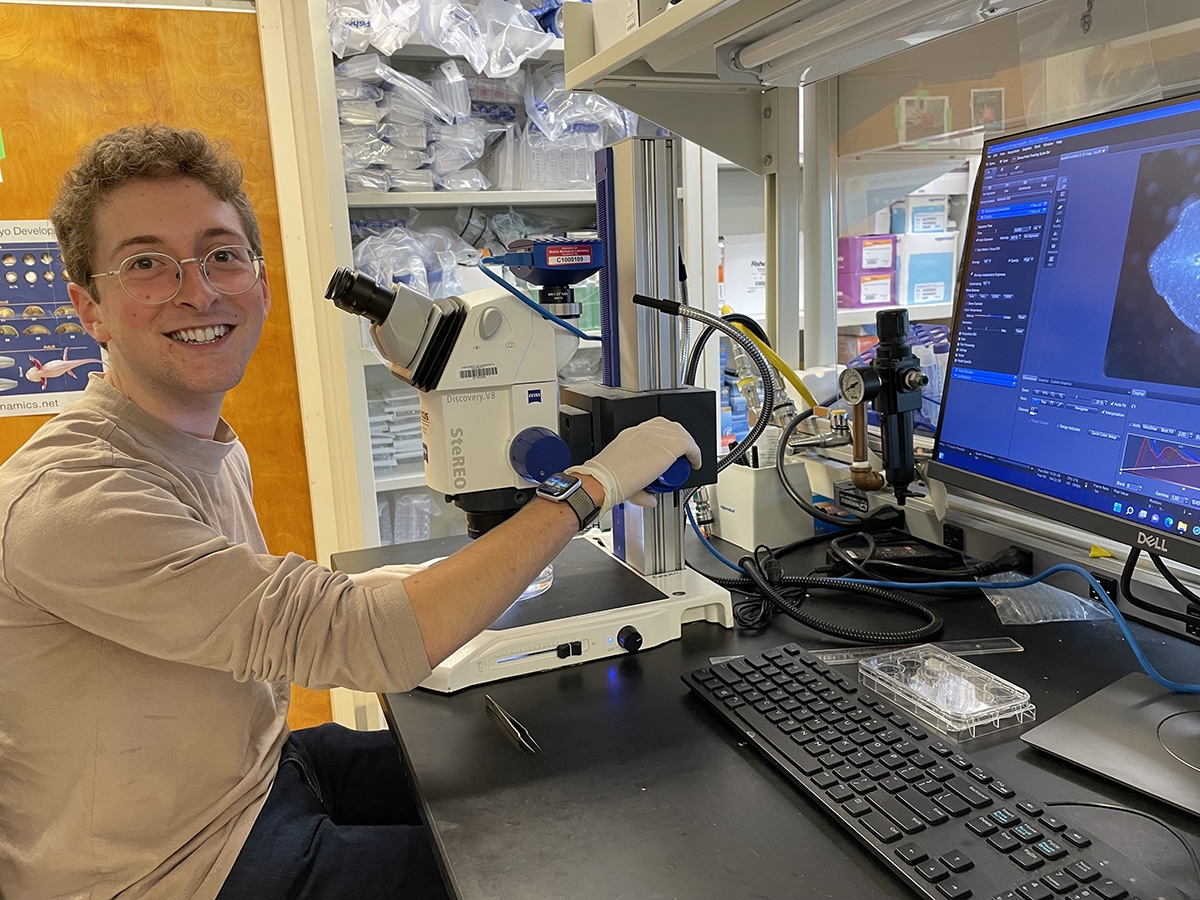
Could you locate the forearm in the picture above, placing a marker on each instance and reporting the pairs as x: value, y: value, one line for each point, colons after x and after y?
x: 460, y: 596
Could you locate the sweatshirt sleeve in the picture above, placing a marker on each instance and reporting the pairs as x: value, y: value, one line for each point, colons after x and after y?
x: 118, y: 555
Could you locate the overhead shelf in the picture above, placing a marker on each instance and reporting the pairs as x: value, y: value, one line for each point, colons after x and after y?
x: 701, y: 67
x: 931, y: 312
x: 586, y: 197
x: 783, y: 43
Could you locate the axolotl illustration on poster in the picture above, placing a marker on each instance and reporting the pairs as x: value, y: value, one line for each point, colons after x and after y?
x: 45, y: 355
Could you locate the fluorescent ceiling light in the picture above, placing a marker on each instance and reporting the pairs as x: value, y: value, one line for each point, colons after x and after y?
x: 854, y: 23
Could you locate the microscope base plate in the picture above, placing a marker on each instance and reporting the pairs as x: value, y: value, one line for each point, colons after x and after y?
x: 583, y: 627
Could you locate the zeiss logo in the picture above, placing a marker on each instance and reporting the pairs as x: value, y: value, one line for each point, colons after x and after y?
x: 535, y: 396
x: 1152, y: 541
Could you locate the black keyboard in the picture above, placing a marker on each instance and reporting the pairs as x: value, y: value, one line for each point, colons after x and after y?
x: 947, y: 827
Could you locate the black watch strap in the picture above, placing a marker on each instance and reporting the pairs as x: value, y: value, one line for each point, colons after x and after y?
x: 585, y: 507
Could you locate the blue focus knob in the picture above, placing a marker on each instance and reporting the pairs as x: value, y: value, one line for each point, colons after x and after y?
x: 537, y: 453
x: 672, y: 479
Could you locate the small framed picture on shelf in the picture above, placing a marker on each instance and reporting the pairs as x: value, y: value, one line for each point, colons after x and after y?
x: 987, y: 108
x: 923, y: 117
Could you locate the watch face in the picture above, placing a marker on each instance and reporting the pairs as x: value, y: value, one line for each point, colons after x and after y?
x: 557, y: 485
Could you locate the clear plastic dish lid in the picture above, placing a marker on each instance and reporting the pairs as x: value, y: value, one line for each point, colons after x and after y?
x: 946, y: 692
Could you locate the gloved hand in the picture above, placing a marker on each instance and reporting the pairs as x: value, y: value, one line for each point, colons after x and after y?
x: 635, y: 458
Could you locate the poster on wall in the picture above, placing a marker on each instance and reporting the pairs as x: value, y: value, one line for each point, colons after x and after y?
x: 45, y: 355
x: 922, y: 118
x: 987, y: 109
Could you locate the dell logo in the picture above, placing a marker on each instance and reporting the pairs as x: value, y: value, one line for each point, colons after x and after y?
x: 1152, y: 541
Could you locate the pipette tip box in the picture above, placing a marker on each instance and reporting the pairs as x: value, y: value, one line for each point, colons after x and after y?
x: 945, y: 692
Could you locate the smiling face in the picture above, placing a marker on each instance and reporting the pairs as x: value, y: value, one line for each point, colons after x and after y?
x: 175, y: 360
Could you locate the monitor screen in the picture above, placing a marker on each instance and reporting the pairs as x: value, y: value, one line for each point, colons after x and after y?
x: 1073, y: 388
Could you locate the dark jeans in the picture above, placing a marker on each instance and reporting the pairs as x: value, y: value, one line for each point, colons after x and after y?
x: 340, y: 822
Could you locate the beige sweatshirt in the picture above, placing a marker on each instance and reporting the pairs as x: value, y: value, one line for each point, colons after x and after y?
x: 147, y: 639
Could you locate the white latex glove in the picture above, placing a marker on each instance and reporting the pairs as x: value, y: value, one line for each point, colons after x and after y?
x: 384, y: 575
x: 635, y: 458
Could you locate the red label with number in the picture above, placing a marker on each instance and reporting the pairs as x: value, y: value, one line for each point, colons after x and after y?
x: 569, y: 255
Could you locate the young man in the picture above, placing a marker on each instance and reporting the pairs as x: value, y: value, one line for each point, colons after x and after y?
x: 148, y: 637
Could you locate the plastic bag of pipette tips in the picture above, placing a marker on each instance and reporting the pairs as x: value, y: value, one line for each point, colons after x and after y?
x: 1037, y: 603
x: 449, y: 25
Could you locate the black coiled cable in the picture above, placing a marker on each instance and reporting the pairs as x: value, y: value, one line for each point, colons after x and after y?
x: 787, y: 592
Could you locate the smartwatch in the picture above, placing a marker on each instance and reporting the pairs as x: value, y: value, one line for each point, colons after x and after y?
x: 564, y: 488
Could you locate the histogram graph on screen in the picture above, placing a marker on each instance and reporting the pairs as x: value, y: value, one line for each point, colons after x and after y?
x: 1168, y: 461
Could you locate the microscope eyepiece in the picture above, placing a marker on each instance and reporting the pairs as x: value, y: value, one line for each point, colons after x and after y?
x: 357, y: 293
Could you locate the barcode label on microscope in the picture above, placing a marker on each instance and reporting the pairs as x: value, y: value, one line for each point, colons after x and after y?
x: 468, y: 372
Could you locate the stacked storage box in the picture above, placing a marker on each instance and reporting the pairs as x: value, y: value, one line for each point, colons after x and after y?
x: 866, y: 275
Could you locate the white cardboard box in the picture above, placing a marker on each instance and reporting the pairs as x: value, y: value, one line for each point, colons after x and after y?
x: 927, y: 264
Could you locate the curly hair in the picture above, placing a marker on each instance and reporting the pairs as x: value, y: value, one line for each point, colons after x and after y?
x: 140, y: 151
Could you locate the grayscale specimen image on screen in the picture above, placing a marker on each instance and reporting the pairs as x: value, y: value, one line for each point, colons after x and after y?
x: 1155, y: 331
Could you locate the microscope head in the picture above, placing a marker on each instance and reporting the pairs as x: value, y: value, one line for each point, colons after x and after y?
x: 414, y: 334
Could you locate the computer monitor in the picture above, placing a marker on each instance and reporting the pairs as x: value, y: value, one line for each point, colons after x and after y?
x: 1073, y: 388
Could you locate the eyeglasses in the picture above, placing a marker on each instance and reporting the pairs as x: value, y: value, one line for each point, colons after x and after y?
x: 156, y: 278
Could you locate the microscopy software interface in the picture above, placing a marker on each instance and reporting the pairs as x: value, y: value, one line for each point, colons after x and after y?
x: 1076, y: 367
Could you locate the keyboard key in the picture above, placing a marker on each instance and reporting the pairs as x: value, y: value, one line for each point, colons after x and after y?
x: 857, y: 807
x: 917, y: 732
x: 908, y: 820
x: 876, y: 771
x: 941, y: 773
x: 953, y: 890
x: 911, y: 853
x: 1004, y: 817
x: 1026, y: 833
x: 929, y: 788
x: 932, y: 871
x: 952, y: 804
x: 789, y: 726
x: 825, y: 779
x: 1109, y: 889
x: 1004, y: 842
x: 904, y: 748
x: 956, y: 861
x: 1027, y: 859
x: 923, y: 807
x: 983, y: 826
x: 911, y: 774
x: 941, y: 749
x: 734, y: 702
x: 893, y: 785
x: 1050, y: 849
x: 1074, y: 837
x: 922, y: 760
x: 751, y: 696
x: 860, y: 759
x: 1000, y: 789
x: 1083, y: 870
x: 1052, y: 824
x: 893, y: 761
x: 840, y: 792
x: 881, y: 826
x: 863, y: 785
x: 1029, y: 808
x: 979, y: 775
x: 844, y: 772
x: 1060, y: 882
x: 969, y: 792
x: 726, y: 674
x: 960, y: 762
x: 1034, y: 890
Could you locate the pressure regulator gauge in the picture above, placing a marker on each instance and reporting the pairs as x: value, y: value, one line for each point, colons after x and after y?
x: 858, y: 385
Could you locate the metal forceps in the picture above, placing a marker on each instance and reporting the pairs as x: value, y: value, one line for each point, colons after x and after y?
x: 510, y: 727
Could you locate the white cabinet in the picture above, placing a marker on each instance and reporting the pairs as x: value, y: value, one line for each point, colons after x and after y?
x: 398, y: 507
